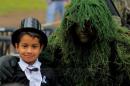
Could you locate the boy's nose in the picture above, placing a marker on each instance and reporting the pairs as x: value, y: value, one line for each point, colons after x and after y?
x: 29, y: 49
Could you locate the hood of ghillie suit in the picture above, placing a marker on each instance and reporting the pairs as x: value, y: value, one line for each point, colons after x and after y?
x: 95, y: 11
x: 88, y: 66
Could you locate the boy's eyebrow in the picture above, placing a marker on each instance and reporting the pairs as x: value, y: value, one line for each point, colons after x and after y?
x: 27, y: 44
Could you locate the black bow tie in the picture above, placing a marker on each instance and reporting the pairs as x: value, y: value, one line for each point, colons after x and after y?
x: 33, y: 69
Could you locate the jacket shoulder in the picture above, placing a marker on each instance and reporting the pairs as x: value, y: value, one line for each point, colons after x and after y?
x: 8, y: 58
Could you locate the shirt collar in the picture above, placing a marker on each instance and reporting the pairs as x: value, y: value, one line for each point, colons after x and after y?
x: 23, y: 65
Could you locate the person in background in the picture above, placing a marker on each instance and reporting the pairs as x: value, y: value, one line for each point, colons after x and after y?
x: 125, y: 14
x: 55, y: 7
x: 29, y: 69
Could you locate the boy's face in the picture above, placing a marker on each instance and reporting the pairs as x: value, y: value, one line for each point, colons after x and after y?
x: 29, y: 48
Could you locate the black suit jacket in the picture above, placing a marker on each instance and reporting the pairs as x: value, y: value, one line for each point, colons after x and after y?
x: 18, y: 76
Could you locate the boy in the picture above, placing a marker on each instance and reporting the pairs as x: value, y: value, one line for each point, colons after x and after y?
x: 30, y: 70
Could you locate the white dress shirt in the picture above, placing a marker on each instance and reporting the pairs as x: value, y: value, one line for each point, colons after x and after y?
x: 34, y: 77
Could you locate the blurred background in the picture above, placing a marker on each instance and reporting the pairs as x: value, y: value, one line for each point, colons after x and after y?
x: 13, y: 11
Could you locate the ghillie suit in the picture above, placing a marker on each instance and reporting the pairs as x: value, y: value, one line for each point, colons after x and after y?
x: 99, y: 63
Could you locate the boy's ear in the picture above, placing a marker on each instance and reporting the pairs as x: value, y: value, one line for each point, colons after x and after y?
x: 16, y: 46
x: 42, y: 47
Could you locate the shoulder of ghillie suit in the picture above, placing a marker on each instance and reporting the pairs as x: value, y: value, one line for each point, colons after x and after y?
x: 123, y: 46
x: 53, y: 48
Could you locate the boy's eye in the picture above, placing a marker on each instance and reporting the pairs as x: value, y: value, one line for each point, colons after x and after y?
x: 35, y: 46
x: 24, y: 46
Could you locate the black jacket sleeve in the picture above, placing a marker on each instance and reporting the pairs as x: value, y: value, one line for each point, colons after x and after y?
x: 7, y: 64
